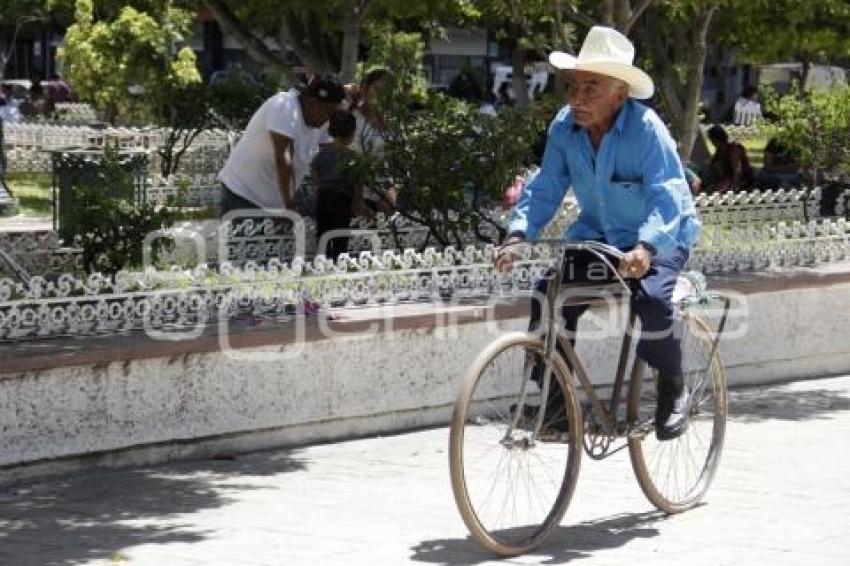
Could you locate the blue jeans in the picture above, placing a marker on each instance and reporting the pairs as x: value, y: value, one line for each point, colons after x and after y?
x: 660, y: 336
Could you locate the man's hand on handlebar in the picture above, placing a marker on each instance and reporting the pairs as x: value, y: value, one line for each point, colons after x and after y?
x: 505, y: 255
x: 635, y: 263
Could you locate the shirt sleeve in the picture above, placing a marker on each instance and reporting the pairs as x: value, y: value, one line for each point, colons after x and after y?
x: 665, y: 185
x: 544, y: 192
x: 283, y: 116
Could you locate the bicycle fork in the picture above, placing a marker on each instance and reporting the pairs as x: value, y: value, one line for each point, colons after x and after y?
x: 552, y: 290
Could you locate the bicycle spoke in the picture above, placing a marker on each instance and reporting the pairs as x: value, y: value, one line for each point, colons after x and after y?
x: 511, y: 481
x: 675, y: 474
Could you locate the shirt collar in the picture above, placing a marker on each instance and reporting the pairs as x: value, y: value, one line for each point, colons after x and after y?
x: 622, y: 116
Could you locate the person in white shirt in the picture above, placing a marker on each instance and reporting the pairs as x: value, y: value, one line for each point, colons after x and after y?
x: 747, y: 109
x: 369, y: 135
x: 9, y: 112
x: 273, y: 155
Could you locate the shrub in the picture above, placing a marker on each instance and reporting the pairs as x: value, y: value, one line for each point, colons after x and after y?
x: 815, y: 125
x: 447, y: 163
x: 109, y: 225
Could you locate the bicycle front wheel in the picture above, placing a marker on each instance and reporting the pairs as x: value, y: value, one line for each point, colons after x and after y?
x: 675, y: 474
x: 511, y: 488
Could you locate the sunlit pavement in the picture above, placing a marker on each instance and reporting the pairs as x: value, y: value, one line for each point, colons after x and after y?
x: 781, y: 497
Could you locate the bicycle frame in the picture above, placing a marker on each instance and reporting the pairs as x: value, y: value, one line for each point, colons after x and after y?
x: 555, y: 338
x: 607, y: 415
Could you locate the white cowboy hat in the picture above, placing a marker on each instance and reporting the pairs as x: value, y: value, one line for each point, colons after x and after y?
x: 607, y: 52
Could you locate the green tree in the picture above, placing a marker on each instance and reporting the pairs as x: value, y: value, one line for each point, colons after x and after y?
x: 815, y: 126
x: 765, y: 31
x: 401, y: 53
x: 520, y: 24
x: 447, y: 162
x: 671, y: 38
x: 675, y: 39
x: 326, y: 36
x: 107, y: 60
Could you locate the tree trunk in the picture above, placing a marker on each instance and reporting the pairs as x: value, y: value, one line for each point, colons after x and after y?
x: 630, y: 16
x: 681, y: 118
x: 4, y: 59
x: 608, y: 13
x: 350, y: 40
x: 668, y: 88
x: 559, y: 41
x: 518, y: 71
x: 806, y: 70
x: 290, y: 35
x: 252, y: 45
x: 689, y: 126
x: 664, y: 73
x: 622, y: 15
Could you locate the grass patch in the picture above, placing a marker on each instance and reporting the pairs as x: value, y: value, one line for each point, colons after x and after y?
x: 32, y: 191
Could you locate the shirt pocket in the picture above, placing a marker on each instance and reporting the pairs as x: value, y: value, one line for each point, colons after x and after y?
x: 626, y: 202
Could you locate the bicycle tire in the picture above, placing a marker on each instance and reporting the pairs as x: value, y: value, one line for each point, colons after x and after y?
x: 473, y: 427
x: 644, y: 449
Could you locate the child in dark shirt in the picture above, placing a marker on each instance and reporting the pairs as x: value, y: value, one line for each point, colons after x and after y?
x: 338, y: 197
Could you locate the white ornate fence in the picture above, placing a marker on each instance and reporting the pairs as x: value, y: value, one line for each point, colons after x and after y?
x: 27, y: 146
x: 181, y: 298
x: 745, y: 207
x: 163, y: 300
x: 741, y: 232
x: 75, y: 113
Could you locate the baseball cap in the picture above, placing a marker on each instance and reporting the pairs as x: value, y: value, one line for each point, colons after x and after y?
x: 326, y: 88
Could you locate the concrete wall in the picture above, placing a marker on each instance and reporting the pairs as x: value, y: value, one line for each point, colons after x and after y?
x: 158, y: 408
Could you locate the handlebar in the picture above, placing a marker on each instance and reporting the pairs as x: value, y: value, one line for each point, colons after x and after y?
x: 589, y: 245
x: 599, y: 249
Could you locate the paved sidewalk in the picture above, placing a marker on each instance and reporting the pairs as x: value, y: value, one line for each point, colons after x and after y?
x: 782, y: 497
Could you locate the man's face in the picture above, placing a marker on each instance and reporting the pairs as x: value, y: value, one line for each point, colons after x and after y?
x: 316, y: 112
x: 595, y: 98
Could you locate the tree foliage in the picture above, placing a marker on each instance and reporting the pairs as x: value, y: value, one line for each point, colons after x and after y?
x: 769, y: 31
x: 401, y: 53
x: 326, y: 35
x: 446, y: 161
x: 106, y: 60
x: 815, y: 126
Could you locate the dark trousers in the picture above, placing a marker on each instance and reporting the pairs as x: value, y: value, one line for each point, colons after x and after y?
x: 660, y: 335
x: 333, y: 212
x: 231, y: 201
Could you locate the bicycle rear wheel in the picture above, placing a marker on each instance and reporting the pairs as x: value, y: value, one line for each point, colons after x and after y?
x: 511, y: 489
x: 675, y: 474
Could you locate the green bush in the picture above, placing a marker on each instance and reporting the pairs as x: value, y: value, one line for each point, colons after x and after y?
x: 106, y: 61
x: 447, y: 162
x: 815, y: 125
x: 109, y: 225
x: 235, y: 98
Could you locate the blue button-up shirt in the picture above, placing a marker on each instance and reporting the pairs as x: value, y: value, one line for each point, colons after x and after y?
x: 631, y: 190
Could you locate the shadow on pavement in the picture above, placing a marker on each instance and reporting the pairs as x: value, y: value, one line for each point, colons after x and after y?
x: 759, y: 404
x: 565, y: 544
x: 96, y: 515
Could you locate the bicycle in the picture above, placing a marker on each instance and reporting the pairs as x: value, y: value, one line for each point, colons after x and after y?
x: 512, y: 483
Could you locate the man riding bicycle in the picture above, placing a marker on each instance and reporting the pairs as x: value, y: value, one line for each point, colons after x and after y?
x: 622, y: 164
